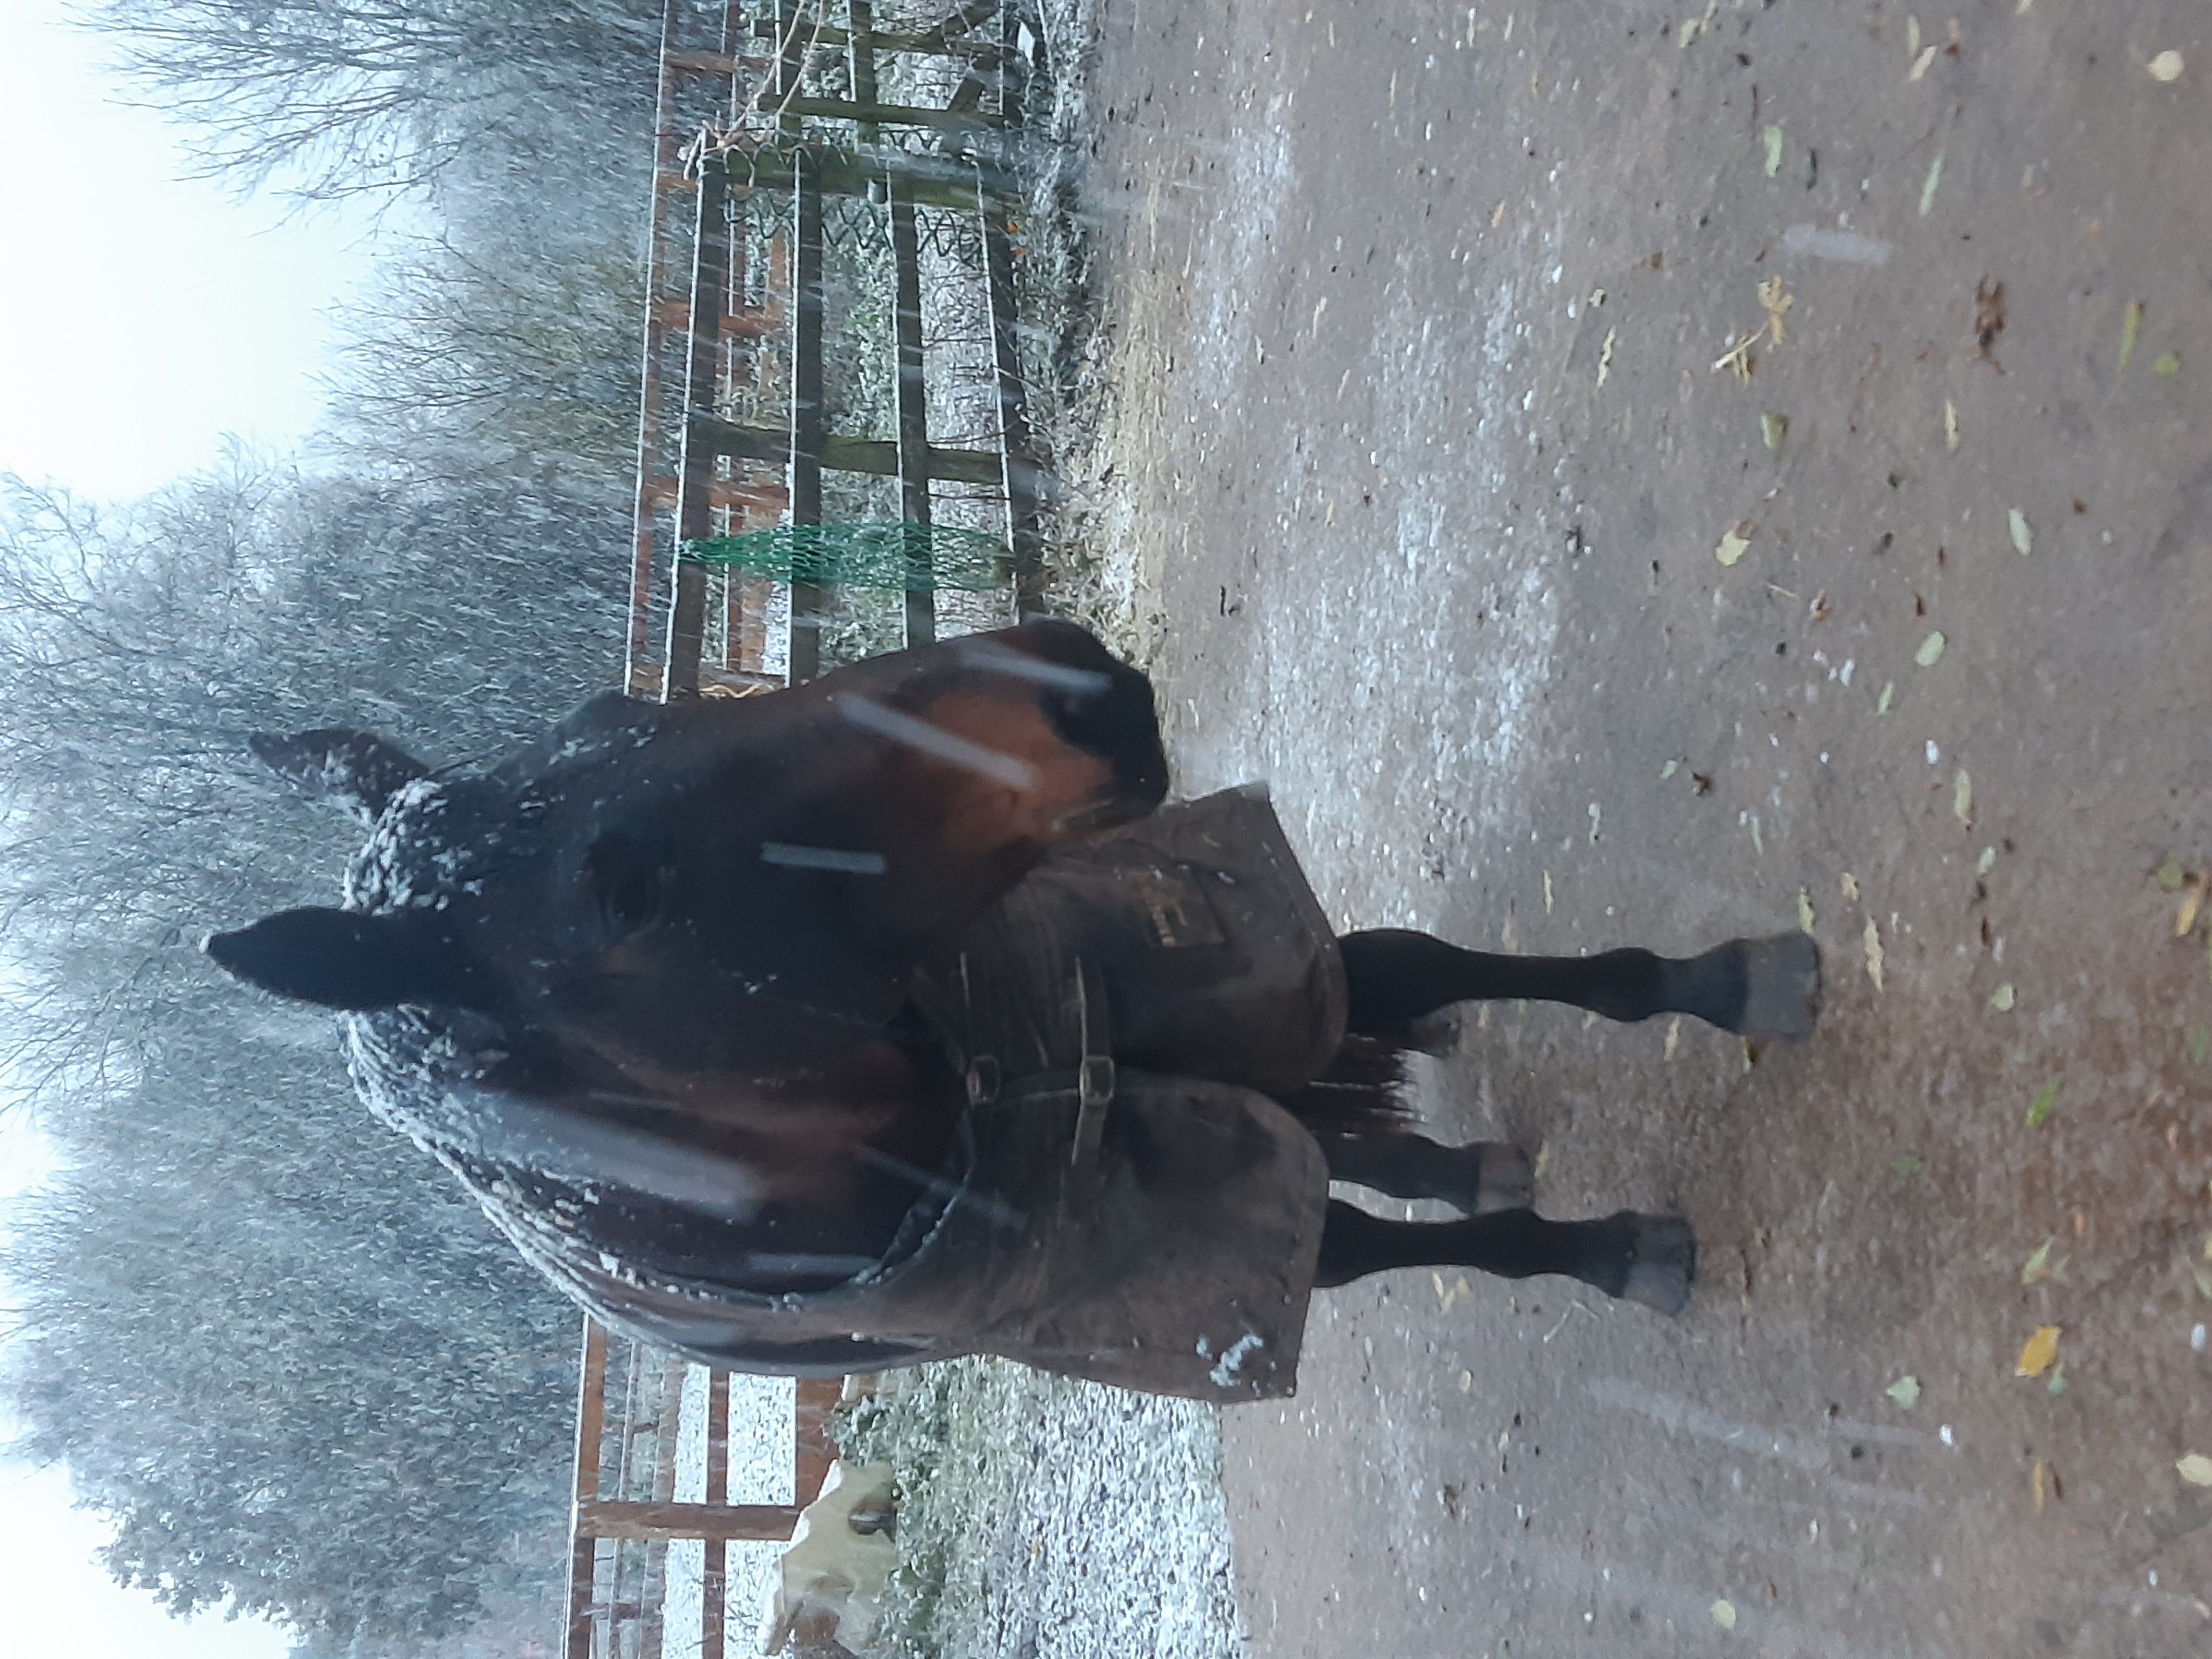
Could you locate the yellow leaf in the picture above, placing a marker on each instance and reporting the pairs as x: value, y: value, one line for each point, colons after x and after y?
x: 1888, y: 694
x: 1548, y: 892
x: 2167, y: 364
x: 2196, y: 1469
x: 2038, y: 1265
x: 1732, y: 544
x: 1850, y: 886
x: 1920, y: 64
x: 1605, y: 354
x: 2187, y: 919
x: 1872, y: 940
x: 2023, y: 538
x: 2002, y: 997
x: 1987, y: 862
x: 1776, y: 302
x: 1962, y: 799
x: 1931, y: 650
x: 1950, y: 424
x: 2166, y: 67
x: 2037, y: 1480
x: 2038, y: 1351
x: 1725, y: 1614
x: 1804, y: 909
x: 2131, y: 326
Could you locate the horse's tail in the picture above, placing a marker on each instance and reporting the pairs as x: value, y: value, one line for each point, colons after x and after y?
x: 1361, y: 1092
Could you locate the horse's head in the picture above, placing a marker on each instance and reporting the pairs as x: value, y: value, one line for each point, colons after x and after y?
x: 718, y: 885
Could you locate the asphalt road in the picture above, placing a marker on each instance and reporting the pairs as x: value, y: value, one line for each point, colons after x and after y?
x: 1419, y: 469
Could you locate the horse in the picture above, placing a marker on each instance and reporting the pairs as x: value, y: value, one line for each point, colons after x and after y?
x: 897, y: 1015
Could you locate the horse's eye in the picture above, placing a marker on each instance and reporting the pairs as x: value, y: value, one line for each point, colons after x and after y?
x: 627, y: 882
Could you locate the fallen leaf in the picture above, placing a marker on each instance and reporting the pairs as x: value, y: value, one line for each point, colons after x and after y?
x: 1881, y: 703
x: 2037, y: 1480
x: 2023, y: 539
x: 1732, y: 544
x: 1498, y: 217
x: 1673, y: 1037
x: 1962, y: 799
x: 1670, y: 769
x: 1927, y: 190
x: 1872, y: 940
x: 1737, y: 357
x: 1989, y: 314
x: 2038, y: 1265
x: 1931, y: 650
x: 1548, y: 892
x: 1725, y: 1614
x: 1605, y: 354
x: 1776, y: 302
x: 2046, y: 1098
x: 1907, y: 1163
x: 2170, y: 875
x: 2131, y: 326
x: 2200, y: 1042
x: 1987, y: 862
x: 1543, y: 1160
x: 1849, y: 883
x: 2186, y: 919
x: 1758, y: 840
x: 1920, y: 68
x: 2037, y: 1352
x: 2000, y: 999
x: 1772, y: 139
x: 1804, y: 910
x: 1772, y: 429
x: 2167, y: 364
x: 1912, y: 37
x: 2202, y: 1274
x: 1950, y: 424
x: 2166, y: 67
x: 2196, y: 1469
x: 2056, y: 1385
x: 1906, y: 1391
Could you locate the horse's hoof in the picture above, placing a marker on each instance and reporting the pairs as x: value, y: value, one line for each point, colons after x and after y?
x: 1662, y: 1261
x: 1504, y: 1178
x: 1782, y: 986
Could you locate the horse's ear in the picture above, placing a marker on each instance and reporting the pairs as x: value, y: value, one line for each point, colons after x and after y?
x: 358, y: 769
x: 343, y: 958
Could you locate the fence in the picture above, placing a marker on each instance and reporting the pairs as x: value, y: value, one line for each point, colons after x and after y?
x: 791, y: 140
x: 625, y: 1514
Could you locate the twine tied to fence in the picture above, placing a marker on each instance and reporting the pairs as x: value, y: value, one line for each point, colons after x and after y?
x: 913, y: 558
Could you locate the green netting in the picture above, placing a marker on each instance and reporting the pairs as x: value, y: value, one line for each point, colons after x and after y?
x: 915, y: 557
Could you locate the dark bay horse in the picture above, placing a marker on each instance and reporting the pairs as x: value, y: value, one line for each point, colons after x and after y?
x: 689, y: 995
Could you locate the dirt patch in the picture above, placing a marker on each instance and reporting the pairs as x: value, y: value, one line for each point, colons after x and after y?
x: 1426, y: 440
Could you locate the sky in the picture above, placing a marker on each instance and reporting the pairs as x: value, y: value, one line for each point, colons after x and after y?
x: 143, y: 316
x: 146, y: 314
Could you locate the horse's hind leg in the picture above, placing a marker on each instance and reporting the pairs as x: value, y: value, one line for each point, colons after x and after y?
x: 1486, y: 1176
x: 1640, y: 1258
x: 1759, y: 987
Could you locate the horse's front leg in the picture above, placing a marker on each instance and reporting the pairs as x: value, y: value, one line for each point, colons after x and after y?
x: 1759, y: 987
x: 1486, y: 1176
x: 1639, y: 1258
